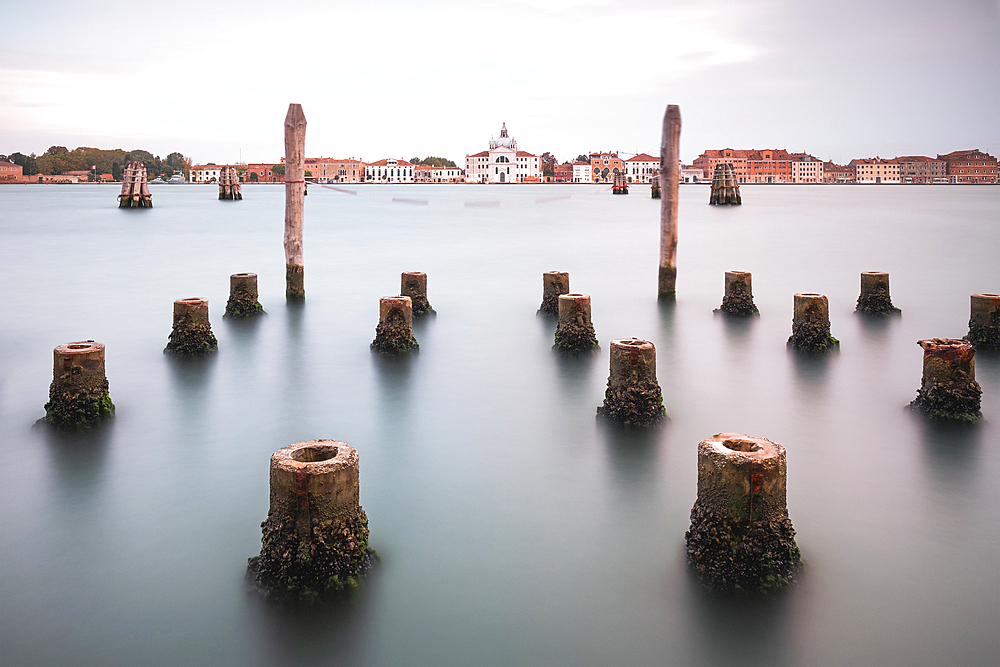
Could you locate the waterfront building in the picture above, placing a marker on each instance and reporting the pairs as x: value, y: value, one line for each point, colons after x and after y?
x: 257, y: 173
x: 389, y: 170
x: 332, y: 170
x: 920, y: 169
x: 428, y: 173
x: 502, y: 163
x: 711, y: 157
x: 11, y: 173
x: 691, y: 174
x: 581, y: 172
x: 875, y: 170
x: 837, y: 173
x: 806, y: 168
x: 639, y: 169
x: 209, y: 173
x: 562, y: 173
x: 971, y: 166
x: 605, y: 166
x: 763, y: 166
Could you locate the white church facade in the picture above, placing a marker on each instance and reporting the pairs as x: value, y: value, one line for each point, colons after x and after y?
x: 502, y: 163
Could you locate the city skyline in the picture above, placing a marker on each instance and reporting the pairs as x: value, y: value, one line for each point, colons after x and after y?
x: 566, y: 77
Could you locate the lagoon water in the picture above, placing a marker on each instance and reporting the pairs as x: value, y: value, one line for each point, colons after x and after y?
x: 513, y: 527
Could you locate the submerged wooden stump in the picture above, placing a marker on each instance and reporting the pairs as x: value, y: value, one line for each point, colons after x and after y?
x: 315, y: 538
x: 874, y: 298
x: 554, y: 283
x: 243, y: 296
x: 575, y: 331
x: 948, y: 388
x: 811, y: 324
x: 135, y: 188
x: 738, y: 299
x: 984, y: 322
x: 191, y: 335
x: 394, y: 333
x: 741, y: 539
x: 78, y: 395
x: 414, y: 285
x: 633, y: 396
x: 229, y: 184
x: 725, y: 187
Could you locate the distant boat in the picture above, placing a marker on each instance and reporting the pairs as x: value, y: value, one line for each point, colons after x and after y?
x: 157, y: 181
x: 176, y: 178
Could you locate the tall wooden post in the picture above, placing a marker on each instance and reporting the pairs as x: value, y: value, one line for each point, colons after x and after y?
x: 295, y: 188
x: 670, y: 177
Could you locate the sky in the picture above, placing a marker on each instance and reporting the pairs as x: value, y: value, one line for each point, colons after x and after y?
x: 838, y: 79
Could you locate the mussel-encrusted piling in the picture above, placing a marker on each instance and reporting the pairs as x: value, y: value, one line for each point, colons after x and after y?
x: 633, y: 396
x: 741, y: 539
x: 984, y: 322
x: 874, y: 298
x: 554, y: 283
x: 78, y: 395
x: 243, y: 296
x: 229, y: 184
x: 414, y: 285
x: 575, y: 331
x: 619, y: 185
x: 948, y: 388
x: 654, y: 190
x: 315, y: 538
x: 191, y: 335
x: 394, y: 333
x: 738, y: 299
x: 811, y: 324
x: 725, y: 186
x: 135, y: 187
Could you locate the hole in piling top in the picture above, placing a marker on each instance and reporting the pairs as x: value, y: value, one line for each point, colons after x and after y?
x: 811, y: 295
x: 572, y: 296
x: 314, y: 453
x: 632, y: 341
x: 78, y: 346
x: 874, y: 273
x: 987, y: 294
x: 741, y: 445
x: 192, y: 299
x: 241, y: 275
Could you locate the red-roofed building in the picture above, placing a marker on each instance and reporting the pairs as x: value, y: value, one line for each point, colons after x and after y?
x: 972, y: 166
x: 763, y: 166
x: 837, y: 173
x: 502, y: 163
x: 920, y: 169
x: 604, y: 166
x: 389, y: 170
x: 875, y: 170
x: 11, y: 173
x: 429, y: 173
x: 640, y: 169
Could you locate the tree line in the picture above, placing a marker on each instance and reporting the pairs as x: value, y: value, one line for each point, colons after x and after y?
x: 433, y: 161
x: 59, y: 160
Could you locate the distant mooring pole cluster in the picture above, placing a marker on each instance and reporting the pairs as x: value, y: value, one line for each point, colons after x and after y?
x: 135, y: 188
x: 654, y: 191
x: 619, y: 185
x: 295, y: 190
x: 229, y: 184
x: 670, y: 178
x: 725, y: 187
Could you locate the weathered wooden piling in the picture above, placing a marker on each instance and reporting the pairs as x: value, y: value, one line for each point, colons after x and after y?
x: 135, y: 187
x: 984, y: 322
x: 243, y: 296
x: 78, y: 395
x: 670, y: 178
x: 738, y: 299
x: 191, y: 335
x: 655, y: 184
x: 315, y: 538
x: 633, y: 396
x: 619, y: 185
x: 948, y: 388
x: 229, y: 184
x: 414, y: 285
x: 725, y: 186
x: 394, y: 333
x: 874, y: 298
x: 575, y: 331
x: 295, y: 187
x: 741, y: 539
x: 811, y: 324
x: 554, y: 283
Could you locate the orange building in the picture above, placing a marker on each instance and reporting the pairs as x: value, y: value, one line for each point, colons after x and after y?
x: 970, y: 167
x: 763, y: 166
x: 605, y: 166
x: 11, y: 173
x: 332, y: 170
x: 837, y: 173
x: 261, y: 173
x: 920, y: 169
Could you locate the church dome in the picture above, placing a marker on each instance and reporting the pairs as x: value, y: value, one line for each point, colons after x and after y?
x: 505, y: 140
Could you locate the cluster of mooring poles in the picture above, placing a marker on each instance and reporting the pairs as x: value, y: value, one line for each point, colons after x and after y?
x: 135, y: 188
x: 654, y: 190
x: 229, y: 184
x: 619, y: 186
x: 315, y: 537
x: 725, y: 186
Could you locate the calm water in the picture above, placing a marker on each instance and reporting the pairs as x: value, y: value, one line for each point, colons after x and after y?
x: 513, y: 527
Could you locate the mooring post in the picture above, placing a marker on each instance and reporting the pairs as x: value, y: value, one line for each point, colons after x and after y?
x: 811, y: 324
x: 243, y: 296
x: 554, y: 283
x: 135, y: 188
x: 633, y: 396
x: 984, y: 322
x: 229, y: 184
x: 78, y: 395
x: 740, y: 536
x: 575, y: 331
x: 315, y: 538
x: 738, y: 299
x: 295, y: 187
x: 654, y: 190
x: 874, y: 298
x: 725, y: 187
x: 948, y: 388
x: 394, y: 333
x: 414, y: 285
x: 670, y: 153
x: 191, y: 334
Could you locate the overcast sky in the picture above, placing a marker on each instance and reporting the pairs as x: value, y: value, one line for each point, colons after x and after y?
x: 837, y: 79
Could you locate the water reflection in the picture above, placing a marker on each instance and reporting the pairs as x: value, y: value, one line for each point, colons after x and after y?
x: 243, y: 333
x: 192, y: 382
x: 394, y: 377
x: 633, y: 453
x: 951, y: 450
x: 812, y: 371
x: 737, y: 329
x: 574, y: 372
x: 876, y: 327
x: 77, y: 457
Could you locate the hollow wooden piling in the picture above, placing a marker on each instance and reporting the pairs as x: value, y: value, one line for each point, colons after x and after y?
x: 670, y: 176
x: 874, y: 298
x: 229, y: 184
x: 575, y: 332
x: 948, y: 388
x: 738, y: 299
x: 725, y: 186
x: 554, y: 283
x: 984, y: 322
x: 811, y: 324
x: 295, y: 187
x: 191, y: 335
x: 135, y: 187
x: 394, y: 333
x: 78, y: 395
x: 414, y: 285
x: 633, y: 396
x: 243, y: 296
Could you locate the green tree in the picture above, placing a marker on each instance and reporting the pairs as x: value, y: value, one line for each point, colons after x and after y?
x: 278, y: 170
x: 549, y: 162
x: 308, y: 173
x: 116, y: 171
x: 415, y: 160
x: 582, y: 158
x: 28, y: 163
